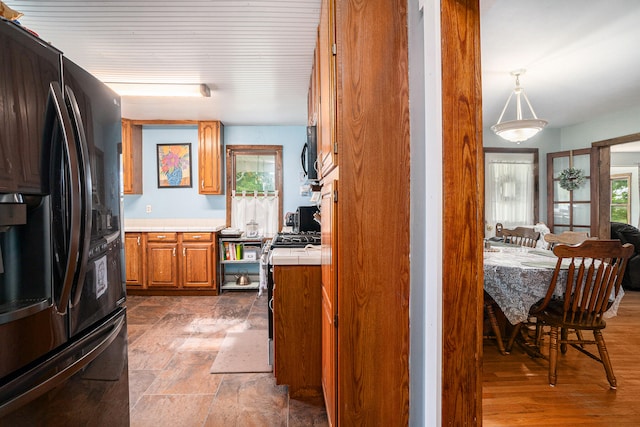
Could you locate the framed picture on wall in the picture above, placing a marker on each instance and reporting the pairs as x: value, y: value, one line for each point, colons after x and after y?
x: 174, y: 165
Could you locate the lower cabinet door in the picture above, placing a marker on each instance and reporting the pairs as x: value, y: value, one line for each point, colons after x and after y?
x: 197, y: 265
x: 162, y: 265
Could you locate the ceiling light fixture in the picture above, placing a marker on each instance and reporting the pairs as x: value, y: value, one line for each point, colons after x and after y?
x: 161, y: 89
x: 520, y: 129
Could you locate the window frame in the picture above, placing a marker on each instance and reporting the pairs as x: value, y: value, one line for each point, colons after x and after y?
x: 620, y: 177
x: 264, y: 150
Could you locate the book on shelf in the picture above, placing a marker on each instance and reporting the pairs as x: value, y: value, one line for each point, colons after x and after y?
x: 233, y: 251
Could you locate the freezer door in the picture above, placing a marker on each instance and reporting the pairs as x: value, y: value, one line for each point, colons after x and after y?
x: 84, y: 384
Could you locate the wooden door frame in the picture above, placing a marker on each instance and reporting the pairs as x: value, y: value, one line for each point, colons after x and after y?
x: 463, y: 213
x: 462, y: 225
x: 602, y: 153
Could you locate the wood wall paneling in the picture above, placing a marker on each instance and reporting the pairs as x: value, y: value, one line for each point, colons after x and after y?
x: 372, y: 128
x: 463, y: 189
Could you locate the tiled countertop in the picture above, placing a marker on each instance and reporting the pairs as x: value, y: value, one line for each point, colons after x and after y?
x: 174, y: 224
x: 295, y: 256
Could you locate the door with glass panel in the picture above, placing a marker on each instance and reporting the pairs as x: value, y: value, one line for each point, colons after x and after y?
x: 569, y: 191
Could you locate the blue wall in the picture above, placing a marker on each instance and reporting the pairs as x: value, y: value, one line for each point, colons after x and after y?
x: 186, y: 202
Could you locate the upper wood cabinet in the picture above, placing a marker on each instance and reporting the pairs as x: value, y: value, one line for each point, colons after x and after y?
x: 328, y: 146
x: 131, y: 157
x: 209, y: 157
x: 210, y: 143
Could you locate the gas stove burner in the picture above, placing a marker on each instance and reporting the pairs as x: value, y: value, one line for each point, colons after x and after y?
x: 296, y: 240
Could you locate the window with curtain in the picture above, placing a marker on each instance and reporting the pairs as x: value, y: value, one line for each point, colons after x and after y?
x: 510, y: 189
x: 254, y: 187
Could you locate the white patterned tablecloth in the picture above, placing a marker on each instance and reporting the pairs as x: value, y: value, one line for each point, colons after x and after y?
x: 518, y: 277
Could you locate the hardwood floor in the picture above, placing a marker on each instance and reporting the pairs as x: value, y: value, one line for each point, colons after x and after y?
x: 516, y: 391
x: 172, y: 343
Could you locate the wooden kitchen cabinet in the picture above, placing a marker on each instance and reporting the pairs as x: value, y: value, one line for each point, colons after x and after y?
x: 297, y: 328
x: 210, y: 140
x: 329, y: 236
x: 364, y: 134
x: 134, y: 250
x: 131, y: 157
x: 171, y: 263
x: 162, y: 260
x: 197, y: 261
x: 326, y: 61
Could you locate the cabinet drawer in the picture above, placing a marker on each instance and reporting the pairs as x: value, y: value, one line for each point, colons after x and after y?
x: 196, y: 237
x: 162, y: 237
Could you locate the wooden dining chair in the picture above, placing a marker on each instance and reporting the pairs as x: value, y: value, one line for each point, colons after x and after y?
x: 567, y: 238
x: 592, y: 282
x: 521, y: 236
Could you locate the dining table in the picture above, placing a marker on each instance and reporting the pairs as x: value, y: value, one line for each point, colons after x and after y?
x: 517, y: 277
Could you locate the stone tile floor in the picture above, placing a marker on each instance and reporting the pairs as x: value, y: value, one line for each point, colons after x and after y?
x: 173, y: 340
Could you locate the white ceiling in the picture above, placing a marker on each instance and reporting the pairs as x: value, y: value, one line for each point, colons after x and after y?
x: 581, y: 56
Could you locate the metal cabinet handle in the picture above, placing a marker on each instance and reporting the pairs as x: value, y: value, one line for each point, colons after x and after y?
x: 202, y: 184
x: 197, y: 237
x: 161, y: 236
x: 138, y: 240
x: 184, y: 251
x: 174, y: 251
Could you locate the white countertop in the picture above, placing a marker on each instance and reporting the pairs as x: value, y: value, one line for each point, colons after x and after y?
x: 295, y: 256
x: 174, y: 224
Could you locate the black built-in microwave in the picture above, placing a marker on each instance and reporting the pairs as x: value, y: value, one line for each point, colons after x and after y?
x: 309, y: 155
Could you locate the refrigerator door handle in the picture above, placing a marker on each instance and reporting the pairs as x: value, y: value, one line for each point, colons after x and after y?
x: 56, y: 106
x: 83, y: 352
x: 86, y: 185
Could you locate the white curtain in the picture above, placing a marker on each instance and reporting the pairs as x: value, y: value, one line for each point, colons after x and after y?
x: 258, y: 207
x: 509, y: 192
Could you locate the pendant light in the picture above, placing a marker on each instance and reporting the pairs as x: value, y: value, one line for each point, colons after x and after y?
x: 520, y: 129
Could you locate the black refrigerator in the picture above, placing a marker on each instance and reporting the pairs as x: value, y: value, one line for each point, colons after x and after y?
x: 63, y: 334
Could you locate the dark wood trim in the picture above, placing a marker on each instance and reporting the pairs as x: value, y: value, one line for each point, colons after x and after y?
x: 601, y: 222
x: 463, y: 210
x: 551, y: 186
x: 617, y: 140
x: 536, y: 173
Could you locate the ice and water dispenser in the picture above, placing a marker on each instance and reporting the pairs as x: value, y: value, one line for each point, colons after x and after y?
x: 25, y: 284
